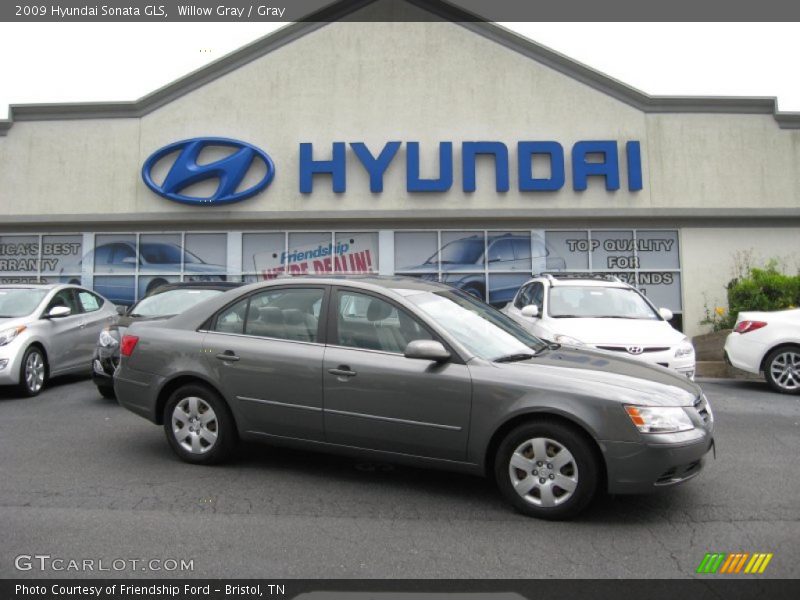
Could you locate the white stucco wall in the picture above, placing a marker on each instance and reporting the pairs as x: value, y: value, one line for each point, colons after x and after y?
x: 710, y: 257
x: 376, y: 82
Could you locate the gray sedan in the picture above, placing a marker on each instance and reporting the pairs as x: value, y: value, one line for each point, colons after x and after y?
x: 48, y: 330
x: 415, y: 372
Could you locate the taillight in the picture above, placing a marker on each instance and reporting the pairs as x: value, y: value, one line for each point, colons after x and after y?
x: 748, y: 326
x: 127, y: 344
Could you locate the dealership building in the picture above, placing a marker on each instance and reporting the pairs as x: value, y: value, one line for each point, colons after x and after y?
x: 445, y: 149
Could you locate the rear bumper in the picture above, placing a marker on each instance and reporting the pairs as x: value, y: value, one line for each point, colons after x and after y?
x: 641, y: 468
x: 138, y: 392
x: 744, y: 352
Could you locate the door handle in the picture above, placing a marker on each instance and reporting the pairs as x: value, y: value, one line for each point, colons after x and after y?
x: 228, y: 355
x: 342, y: 371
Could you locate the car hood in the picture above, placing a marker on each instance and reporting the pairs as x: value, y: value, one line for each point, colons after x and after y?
x: 596, y: 372
x: 618, y: 331
x: 14, y: 322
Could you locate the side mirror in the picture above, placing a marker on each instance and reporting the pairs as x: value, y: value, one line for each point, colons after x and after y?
x: 121, y: 310
x: 427, y: 350
x: 665, y: 313
x: 531, y: 311
x: 129, y: 260
x: 59, y: 312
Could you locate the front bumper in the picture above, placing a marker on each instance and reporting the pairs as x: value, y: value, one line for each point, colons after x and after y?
x: 104, y: 364
x: 641, y: 468
x: 11, y: 360
x: 685, y: 365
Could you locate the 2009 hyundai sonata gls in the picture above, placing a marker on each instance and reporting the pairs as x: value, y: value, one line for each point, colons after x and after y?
x: 415, y: 372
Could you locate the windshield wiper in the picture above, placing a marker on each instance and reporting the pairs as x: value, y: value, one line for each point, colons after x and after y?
x: 514, y: 357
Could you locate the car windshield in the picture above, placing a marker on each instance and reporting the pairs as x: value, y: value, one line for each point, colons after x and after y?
x: 173, y: 302
x: 481, y: 329
x: 599, y: 303
x: 460, y: 252
x: 19, y: 302
x: 166, y: 254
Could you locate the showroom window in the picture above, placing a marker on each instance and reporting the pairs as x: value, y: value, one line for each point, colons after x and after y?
x: 42, y: 258
x: 489, y: 263
x: 492, y: 264
x: 270, y: 254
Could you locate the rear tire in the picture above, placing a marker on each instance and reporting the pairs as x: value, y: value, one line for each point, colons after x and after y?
x: 546, y: 469
x: 782, y: 370
x: 32, y: 372
x: 199, y: 426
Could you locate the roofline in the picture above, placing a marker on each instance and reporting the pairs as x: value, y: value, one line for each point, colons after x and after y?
x: 440, y: 8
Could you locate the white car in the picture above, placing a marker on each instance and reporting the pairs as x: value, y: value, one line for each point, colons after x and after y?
x: 48, y: 330
x: 602, y: 313
x: 768, y: 342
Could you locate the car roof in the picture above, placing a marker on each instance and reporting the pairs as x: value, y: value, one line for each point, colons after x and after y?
x: 397, y: 283
x: 199, y: 285
x: 35, y: 286
x: 587, y: 283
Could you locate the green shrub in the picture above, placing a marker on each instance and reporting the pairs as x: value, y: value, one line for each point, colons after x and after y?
x: 762, y: 290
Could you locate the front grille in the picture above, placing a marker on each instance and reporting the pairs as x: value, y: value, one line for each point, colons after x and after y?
x: 680, y: 473
x: 702, y: 408
x: 645, y: 349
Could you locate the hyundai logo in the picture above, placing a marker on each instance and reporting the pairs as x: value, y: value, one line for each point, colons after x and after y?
x: 230, y: 171
x: 634, y: 349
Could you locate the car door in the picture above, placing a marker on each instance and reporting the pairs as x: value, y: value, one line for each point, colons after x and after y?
x: 266, y: 353
x: 375, y: 397
x: 63, y: 334
x: 94, y: 319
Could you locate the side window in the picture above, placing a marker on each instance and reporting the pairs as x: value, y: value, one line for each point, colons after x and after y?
x: 103, y: 254
x: 365, y: 321
x: 89, y: 302
x: 231, y: 319
x: 524, y: 296
x: 501, y: 251
x: 121, y: 252
x: 286, y: 314
x: 537, y: 295
x: 64, y: 298
x: 522, y: 248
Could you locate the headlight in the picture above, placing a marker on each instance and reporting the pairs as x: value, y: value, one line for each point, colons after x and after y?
x: 107, y: 339
x: 8, y: 335
x: 567, y: 339
x: 685, y: 349
x: 659, y: 419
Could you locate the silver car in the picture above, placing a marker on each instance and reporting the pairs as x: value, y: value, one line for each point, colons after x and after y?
x: 48, y: 330
x: 417, y: 372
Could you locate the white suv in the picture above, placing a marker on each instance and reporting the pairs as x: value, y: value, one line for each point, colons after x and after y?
x: 603, y: 313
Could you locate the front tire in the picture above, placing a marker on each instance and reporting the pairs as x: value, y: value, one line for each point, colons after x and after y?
x: 546, y: 469
x: 198, y: 425
x: 782, y: 370
x: 107, y: 392
x: 32, y: 372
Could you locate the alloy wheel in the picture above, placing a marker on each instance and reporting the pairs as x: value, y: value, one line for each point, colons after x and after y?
x: 785, y: 370
x: 543, y: 472
x: 195, y: 425
x: 34, y: 372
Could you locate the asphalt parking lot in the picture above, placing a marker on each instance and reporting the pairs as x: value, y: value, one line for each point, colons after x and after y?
x: 81, y: 478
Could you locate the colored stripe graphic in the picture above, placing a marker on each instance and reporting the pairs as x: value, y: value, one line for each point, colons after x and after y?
x: 711, y: 562
x: 721, y: 562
